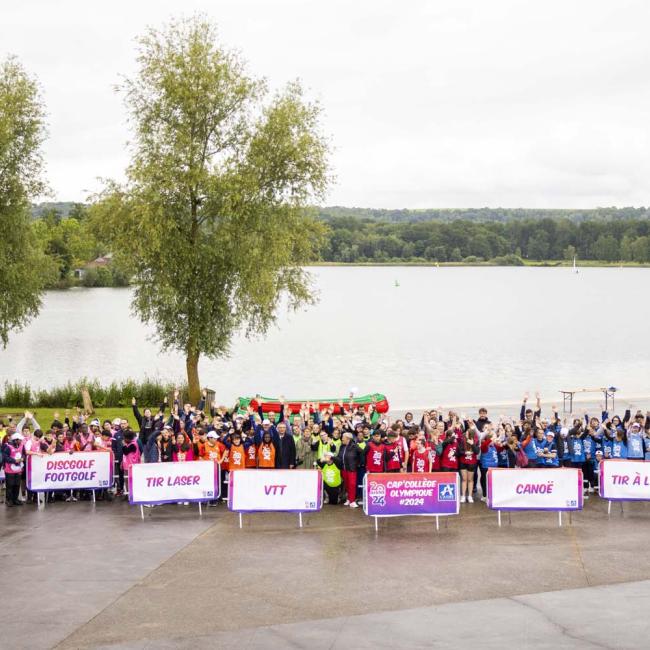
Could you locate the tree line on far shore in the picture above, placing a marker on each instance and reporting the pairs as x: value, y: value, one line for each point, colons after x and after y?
x: 70, y: 240
x: 351, y: 239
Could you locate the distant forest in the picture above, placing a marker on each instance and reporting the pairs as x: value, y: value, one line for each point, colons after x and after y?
x: 361, y: 235
x: 499, y: 236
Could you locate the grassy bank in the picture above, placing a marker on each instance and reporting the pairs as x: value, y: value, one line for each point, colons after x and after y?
x: 45, y: 416
x: 68, y: 396
x: 535, y: 263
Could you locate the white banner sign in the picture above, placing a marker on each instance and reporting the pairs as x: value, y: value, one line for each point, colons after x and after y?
x: 535, y: 489
x: 172, y: 482
x: 624, y: 480
x: 286, y: 490
x: 81, y: 470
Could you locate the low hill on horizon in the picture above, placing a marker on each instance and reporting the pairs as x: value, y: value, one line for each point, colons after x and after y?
x: 479, y: 215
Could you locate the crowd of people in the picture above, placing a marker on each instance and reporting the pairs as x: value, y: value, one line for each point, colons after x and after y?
x: 344, y: 441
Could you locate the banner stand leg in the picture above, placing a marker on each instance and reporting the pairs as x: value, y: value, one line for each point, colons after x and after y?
x: 437, y: 523
x: 142, y: 512
x: 620, y: 503
x: 200, y: 510
x: 570, y: 517
x: 609, y: 508
x: 376, y: 524
x: 300, y: 520
x: 240, y: 522
x: 94, y: 500
x: 499, y: 517
x: 559, y: 518
x: 510, y: 518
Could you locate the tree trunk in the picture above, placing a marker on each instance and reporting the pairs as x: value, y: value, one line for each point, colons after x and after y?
x: 193, y: 384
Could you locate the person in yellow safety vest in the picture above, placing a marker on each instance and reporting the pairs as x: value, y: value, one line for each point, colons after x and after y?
x: 323, y: 444
x: 330, y: 467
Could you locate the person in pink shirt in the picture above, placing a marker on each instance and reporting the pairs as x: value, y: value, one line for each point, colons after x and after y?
x: 130, y: 454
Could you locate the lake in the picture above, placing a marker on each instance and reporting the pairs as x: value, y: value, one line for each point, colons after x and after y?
x: 443, y: 336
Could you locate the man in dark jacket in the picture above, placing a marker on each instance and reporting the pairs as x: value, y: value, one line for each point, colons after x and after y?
x: 285, y: 448
x: 148, y: 423
x: 350, y: 456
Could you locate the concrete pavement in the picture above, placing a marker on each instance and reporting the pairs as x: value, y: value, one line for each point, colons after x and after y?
x: 101, y: 577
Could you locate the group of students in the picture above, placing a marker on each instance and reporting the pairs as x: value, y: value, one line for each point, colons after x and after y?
x: 345, y: 441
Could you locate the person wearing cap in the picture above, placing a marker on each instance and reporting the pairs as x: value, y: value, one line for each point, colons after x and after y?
x: 549, y: 455
x: 330, y: 467
x: 213, y: 450
x: 635, y: 438
x: 13, y: 462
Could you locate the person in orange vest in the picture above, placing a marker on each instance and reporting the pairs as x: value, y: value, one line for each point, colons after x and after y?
x: 236, y: 453
x: 251, y: 451
x: 266, y: 452
x: 213, y: 450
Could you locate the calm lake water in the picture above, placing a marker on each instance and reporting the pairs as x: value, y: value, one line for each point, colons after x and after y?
x: 443, y: 336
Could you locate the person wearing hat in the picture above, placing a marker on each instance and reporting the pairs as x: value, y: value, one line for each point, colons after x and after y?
x: 213, y: 450
x: 549, y: 455
x: 330, y: 467
x: 635, y: 438
x: 13, y: 462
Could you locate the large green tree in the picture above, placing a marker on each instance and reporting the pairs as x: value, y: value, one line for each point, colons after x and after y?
x: 212, y: 218
x: 22, y: 131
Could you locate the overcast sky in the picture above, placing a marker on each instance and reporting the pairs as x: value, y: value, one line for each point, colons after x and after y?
x: 439, y: 103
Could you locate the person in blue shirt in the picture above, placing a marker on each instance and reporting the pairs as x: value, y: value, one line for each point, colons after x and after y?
x: 619, y: 445
x: 635, y: 442
x: 529, y: 443
x: 577, y: 435
x: 589, y: 443
x: 646, y: 445
x: 549, y: 451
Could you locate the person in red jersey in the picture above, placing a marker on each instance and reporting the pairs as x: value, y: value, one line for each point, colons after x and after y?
x: 421, y: 459
x: 394, y: 452
x: 374, y: 453
x: 468, y: 450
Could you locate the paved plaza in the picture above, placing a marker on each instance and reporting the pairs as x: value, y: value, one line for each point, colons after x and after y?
x: 99, y: 576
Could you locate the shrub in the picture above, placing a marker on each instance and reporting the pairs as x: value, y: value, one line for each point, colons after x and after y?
x: 148, y: 392
x: 507, y: 260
